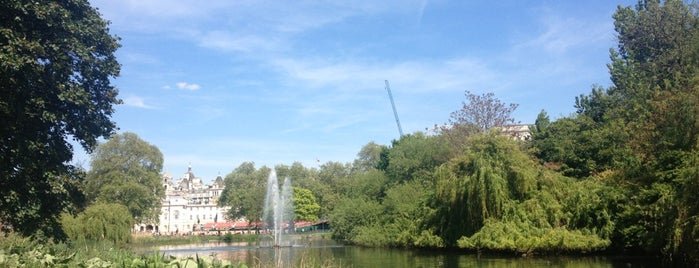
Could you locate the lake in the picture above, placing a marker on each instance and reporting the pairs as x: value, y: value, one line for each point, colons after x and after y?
x: 333, y: 254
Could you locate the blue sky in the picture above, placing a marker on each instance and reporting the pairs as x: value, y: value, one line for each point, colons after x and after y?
x: 216, y: 83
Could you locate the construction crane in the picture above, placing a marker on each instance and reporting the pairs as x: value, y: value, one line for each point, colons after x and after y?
x: 395, y: 113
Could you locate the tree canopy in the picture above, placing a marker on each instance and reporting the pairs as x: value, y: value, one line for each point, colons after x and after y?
x: 642, y: 133
x: 56, y: 62
x: 126, y: 170
x: 621, y: 174
x: 305, y: 206
x: 244, y: 192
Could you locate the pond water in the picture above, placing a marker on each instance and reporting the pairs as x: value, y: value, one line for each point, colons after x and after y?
x: 332, y: 254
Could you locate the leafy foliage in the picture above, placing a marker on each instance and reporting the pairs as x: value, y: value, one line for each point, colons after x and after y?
x: 244, y: 192
x: 126, y: 170
x: 112, y: 222
x: 413, y: 157
x: 368, y: 157
x: 16, y: 251
x: 641, y: 134
x: 305, y: 206
x: 56, y: 62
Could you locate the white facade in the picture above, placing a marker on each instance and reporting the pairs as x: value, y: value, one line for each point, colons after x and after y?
x: 189, y: 204
x: 518, y: 132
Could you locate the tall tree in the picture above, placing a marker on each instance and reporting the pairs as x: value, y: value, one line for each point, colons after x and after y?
x: 244, y: 192
x: 56, y: 62
x: 478, y: 113
x: 483, y: 111
x: 645, y: 129
x: 414, y: 156
x: 126, y: 170
x: 305, y: 206
x: 368, y: 157
x: 654, y: 71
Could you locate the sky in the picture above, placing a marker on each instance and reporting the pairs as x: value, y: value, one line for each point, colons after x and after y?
x: 217, y: 83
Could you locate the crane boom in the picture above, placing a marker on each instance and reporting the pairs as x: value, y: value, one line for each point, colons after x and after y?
x: 393, y: 105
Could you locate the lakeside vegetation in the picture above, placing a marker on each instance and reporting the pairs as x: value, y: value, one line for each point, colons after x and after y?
x: 619, y: 175
x: 17, y: 251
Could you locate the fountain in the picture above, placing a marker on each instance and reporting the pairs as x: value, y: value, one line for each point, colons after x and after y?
x: 279, y: 209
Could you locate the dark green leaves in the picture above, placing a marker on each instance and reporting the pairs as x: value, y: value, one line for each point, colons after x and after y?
x: 56, y: 62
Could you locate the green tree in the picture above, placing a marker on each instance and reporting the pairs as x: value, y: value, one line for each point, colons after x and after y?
x: 368, y: 157
x: 369, y: 185
x: 414, y: 156
x: 351, y: 215
x: 100, y: 221
x: 56, y: 63
x: 643, y: 130
x: 654, y: 71
x: 244, y: 192
x: 126, y: 170
x: 299, y: 174
x: 479, y: 185
x: 579, y: 147
x: 305, y: 206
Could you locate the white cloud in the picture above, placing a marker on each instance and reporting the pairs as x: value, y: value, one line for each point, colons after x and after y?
x: 188, y: 86
x: 241, y: 26
x: 136, y: 101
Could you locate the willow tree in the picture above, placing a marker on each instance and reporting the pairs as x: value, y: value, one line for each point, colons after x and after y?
x: 110, y: 222
x: 481, y: 184
x: 56, y: 65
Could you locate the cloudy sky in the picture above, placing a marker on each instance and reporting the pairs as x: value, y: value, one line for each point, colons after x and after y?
x: 219, y: 82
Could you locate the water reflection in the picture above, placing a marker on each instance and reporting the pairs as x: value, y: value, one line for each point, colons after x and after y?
x: 331, y: 254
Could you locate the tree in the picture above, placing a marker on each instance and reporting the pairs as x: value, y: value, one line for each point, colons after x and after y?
x: 414, y: 156
x: 244, y: 192
x: 654, y: 71
x: 644, y: 130
x: 126, y: 170
x: 368, y: 157
x: 56, y: 62
x: 479, y: 113
x: 483, y: 111
x: 112, y: 222
x: 305, y: 206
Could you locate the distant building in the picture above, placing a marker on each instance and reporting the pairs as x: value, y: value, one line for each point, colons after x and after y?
x: 188, y: 205
x: 520, y: 132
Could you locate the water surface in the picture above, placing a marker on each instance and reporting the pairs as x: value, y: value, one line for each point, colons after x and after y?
x: 333, y: 254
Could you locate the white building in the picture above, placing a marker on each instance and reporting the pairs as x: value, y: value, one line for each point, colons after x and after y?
x: 188, y: 205
x: 520, y: 132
